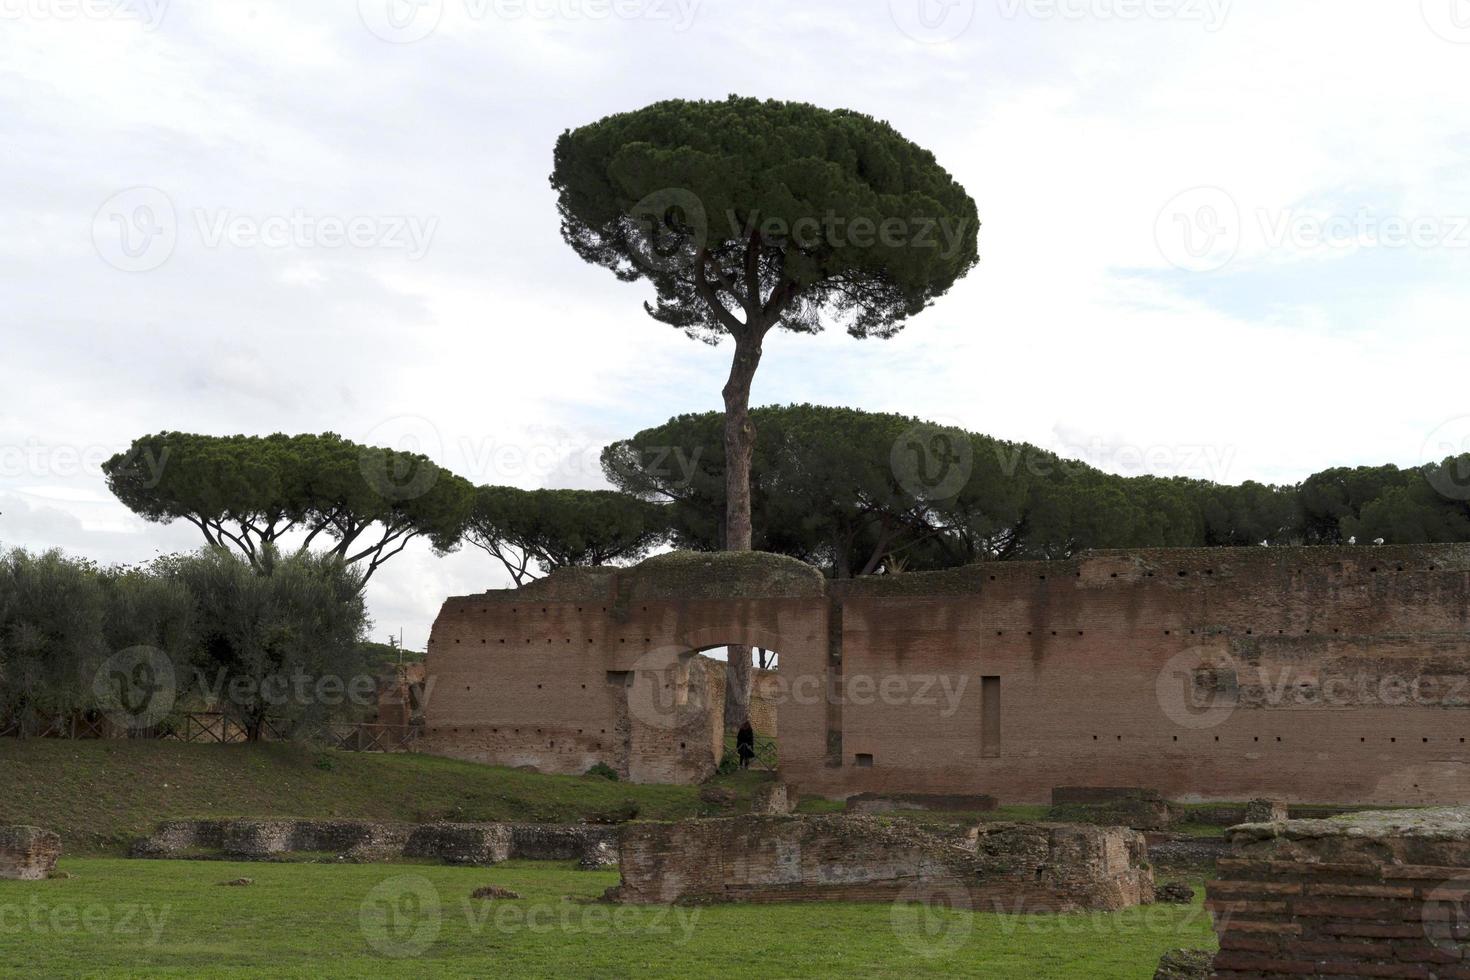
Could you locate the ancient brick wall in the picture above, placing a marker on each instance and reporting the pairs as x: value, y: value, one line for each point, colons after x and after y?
x: 591, y: 666
x: 1368, y: 895
x: 1019, y: 868
x: 1306, y: 675
x: 28, y: 853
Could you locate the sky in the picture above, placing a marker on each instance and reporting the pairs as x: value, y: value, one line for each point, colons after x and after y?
x: 1220, y: 238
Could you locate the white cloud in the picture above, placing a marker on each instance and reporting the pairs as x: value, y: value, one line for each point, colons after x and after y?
x: 1072, y: 132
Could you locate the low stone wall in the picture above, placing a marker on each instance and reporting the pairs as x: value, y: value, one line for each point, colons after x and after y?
x: 28, y: 853
x: 1110, y: 806
x: 362, y: 840
x: 558, y: 842
x: 460, y: 843
x: 1019, y: 867
x: 1365, y: 895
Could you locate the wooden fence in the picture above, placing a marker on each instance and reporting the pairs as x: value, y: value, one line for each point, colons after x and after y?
x: 212, y: 727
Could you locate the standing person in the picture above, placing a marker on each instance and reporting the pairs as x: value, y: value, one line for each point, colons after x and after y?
x: 745, y: 744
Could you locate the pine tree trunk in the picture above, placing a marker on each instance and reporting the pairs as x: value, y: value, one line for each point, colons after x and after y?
x: 739, y: 448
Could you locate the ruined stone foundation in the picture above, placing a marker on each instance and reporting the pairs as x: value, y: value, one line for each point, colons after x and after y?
x: 1365, y: 895
x: 28, y: 853
x: 1011, y: 867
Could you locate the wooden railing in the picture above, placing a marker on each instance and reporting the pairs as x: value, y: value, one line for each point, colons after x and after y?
x: 212, y: 727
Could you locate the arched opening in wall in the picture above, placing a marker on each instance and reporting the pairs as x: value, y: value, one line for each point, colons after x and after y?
x: 768, y: 690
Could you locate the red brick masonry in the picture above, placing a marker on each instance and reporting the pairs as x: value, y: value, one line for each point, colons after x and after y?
x: 28, y: 853
x: 1307, y: 675
x: 1368, y: 895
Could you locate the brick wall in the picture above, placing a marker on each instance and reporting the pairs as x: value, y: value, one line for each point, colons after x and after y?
x: 1189, y: 672
x: 28, y: 853
x: 1368, y: 895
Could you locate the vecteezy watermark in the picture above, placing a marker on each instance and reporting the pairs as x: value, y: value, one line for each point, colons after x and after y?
x: 1199, y: 230
x: 136, y: 687
x: 932, y: 462
x: 1364, y: 228
x: 393, y: 454
x: 1203, y: 230
x: 138, y: 229
x: 407, y: 21
x: 1012, y: 917
x: 42, y: 916
x: 1446, y: 917
x: 302, y: 229
x: 1450, y: 19
x: 670, y: 229
x: 1211, y: 14
x: 1196, y: 688
x: 149, y: 13
x: 932, y: 21
x: 401, y: 916
x: 663, y: 692
x: 933, y: 919
x: 1203, y: 686
x: 1448, y: 450
x: 55, y: 461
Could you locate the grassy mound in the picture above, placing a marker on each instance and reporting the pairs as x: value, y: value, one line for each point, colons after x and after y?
x: 101, y: 795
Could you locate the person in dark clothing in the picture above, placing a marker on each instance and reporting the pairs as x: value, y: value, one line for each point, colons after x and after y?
x: 745, y: 744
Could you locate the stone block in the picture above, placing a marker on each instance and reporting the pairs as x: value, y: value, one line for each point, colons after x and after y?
x: 28, y: 853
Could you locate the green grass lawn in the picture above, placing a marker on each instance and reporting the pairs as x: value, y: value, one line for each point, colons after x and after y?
x: 118, y: 917
x: 102, y: 795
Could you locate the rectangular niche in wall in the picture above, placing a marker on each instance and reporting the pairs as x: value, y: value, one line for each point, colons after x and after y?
x: 990, y: 717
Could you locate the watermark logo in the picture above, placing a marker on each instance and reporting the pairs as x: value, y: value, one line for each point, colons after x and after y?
x: 400, y: 21
x: 671, y: 227
x: 141, y: 923
x: 390, y: 457
x: 932, y: 21
x: 401, y: 917
x: 1448, y: 451
x: 136, y: 687
x: 933, y: 920
x: 1446, y: 917
x: 149, y: 13
x: 1199, y: 230
x: 1450, y: 19
x: 1211, y: 14
x: 135, y: 230
x: 932, y: 462
x: 1198, y: 688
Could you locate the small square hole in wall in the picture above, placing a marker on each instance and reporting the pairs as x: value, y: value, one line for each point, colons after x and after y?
x: 863, y: 760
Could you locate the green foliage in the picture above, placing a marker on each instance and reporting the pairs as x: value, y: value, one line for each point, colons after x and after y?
x: 268, y: 637
x: 559, y: 528
x: 251, y: 491
x: 603, y: 771
x: 52, y: 615
x: 224, y: 627
x: 832, y: 486
x: 765, y: 206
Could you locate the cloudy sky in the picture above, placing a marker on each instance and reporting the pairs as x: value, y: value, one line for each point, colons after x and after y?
x: 1224, y: 239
